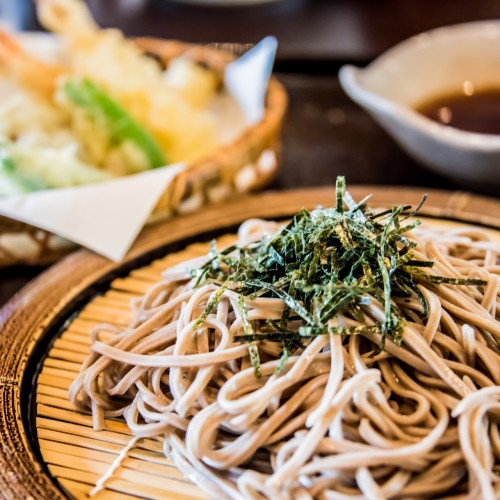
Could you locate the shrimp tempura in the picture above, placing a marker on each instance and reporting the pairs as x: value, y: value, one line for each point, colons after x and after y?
x: 28, y: 72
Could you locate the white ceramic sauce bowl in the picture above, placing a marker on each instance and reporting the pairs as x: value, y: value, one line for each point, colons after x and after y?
x: 424, y: 67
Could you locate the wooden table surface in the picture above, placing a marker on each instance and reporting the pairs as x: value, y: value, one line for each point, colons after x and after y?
x: 325, y: 134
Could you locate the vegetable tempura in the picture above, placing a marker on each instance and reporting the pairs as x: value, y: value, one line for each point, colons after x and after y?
x: 105, y: 110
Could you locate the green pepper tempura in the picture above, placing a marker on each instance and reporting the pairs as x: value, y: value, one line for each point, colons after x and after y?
x: 120, y: 125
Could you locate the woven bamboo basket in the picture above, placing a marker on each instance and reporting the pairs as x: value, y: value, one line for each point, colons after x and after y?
x: 246, y: 164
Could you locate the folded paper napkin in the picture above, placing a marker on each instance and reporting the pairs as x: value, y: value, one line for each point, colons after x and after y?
x: 107, y: 217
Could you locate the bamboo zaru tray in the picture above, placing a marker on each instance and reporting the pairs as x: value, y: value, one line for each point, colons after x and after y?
x: 48, y: 450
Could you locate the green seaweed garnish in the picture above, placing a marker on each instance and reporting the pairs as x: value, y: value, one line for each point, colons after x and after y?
x: 324, y: 263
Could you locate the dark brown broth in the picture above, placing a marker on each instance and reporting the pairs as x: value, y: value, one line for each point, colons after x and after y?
x: 478, y: 112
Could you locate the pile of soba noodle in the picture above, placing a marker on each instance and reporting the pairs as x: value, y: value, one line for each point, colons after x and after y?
x: 343, y: 419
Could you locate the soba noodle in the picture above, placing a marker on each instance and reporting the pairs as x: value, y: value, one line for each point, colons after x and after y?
x: 343, y: 419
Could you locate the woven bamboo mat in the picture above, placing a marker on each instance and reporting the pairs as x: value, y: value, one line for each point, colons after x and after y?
x: 76, y: 455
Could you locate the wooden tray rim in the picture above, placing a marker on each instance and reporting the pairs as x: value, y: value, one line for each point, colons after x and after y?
x: 31, y: 312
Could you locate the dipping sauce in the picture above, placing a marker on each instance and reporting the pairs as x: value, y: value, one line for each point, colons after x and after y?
x: 467, y: 109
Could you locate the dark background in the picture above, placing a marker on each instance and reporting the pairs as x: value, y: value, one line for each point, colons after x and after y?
x: 325, y: 134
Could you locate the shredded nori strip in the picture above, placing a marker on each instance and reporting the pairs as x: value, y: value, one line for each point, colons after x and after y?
x: 323, y: 263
